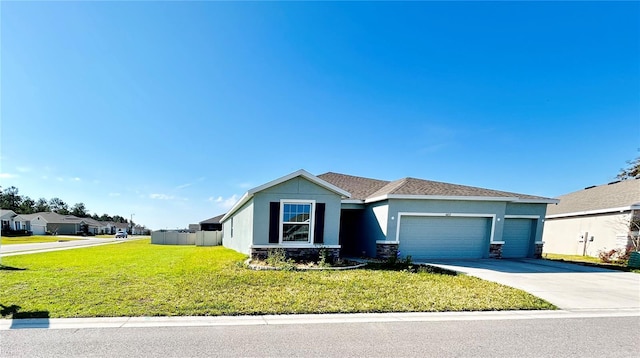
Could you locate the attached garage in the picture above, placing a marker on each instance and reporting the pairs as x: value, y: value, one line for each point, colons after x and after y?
x: 517, y: 237
x: 455, y: 237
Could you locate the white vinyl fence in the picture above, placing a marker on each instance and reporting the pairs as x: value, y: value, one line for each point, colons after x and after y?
x: 199, y: 238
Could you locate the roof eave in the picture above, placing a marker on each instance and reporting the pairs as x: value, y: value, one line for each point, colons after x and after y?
x: 299, y: 173
x: 303, y: 173
x: 594, y: 212
x: 443, y: 197
x: 237, y: 206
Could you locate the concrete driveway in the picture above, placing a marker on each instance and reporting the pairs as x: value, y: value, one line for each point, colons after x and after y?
x: 568, y: 286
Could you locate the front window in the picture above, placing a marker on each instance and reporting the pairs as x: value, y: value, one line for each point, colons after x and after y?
x: 296, y: 221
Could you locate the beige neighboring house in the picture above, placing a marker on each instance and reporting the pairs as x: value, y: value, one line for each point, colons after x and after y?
x: 595, y: 219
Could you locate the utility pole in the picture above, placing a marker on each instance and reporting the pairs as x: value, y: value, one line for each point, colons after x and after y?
x: 131, y: 224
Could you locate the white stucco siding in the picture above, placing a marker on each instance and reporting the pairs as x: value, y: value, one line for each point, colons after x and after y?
x: 563, y: 235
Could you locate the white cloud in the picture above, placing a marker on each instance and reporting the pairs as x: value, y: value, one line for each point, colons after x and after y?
x: 184, y: 186
x: 7, y: 176
x: 224, y: 203
x: 76, y: 179
x: 114, y: 194
x: 23, y: 169
x: 60, y: 179
x: 161, y: 196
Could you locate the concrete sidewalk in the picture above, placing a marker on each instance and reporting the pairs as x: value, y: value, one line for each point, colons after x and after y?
x: 132, y: 322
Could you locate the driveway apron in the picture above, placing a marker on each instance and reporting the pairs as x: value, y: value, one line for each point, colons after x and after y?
x: 568, y: 286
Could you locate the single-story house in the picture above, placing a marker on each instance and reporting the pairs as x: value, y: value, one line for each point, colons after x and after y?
x: 43, y: 222
x: 11, y: 221
x: 594, y: 219
x: 121, y: 227
x: 33, y: 223
x: 355, y: 216
x: 212, y: 224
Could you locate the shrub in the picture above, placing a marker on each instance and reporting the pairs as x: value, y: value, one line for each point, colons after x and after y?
x: 616, y: 256
x: 278, y: 258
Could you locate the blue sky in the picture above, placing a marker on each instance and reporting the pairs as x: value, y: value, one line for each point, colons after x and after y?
x: 172, y: 110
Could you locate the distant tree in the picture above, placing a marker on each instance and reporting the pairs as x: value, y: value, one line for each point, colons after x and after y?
x: 119, y: 219
x: 9, y: 199
x: 27, y: 206
x: 58, y: 206
x: 95, y: 217
x: 42, y: 205
x: 79, y: 210
x: 630, y: 172
x: 105, y: 217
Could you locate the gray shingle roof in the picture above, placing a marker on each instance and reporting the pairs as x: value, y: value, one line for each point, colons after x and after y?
x: 614, y: 195
x: 364, y: 188
x: 213, y: 220
x: 359, y: 187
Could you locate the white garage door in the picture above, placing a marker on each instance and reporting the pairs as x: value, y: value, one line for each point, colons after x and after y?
x: 425, y: 237
x: 517, y: 238
x: 38, y: 229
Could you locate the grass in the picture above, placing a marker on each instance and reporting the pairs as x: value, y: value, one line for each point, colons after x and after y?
x: 139, y: 279
x: 32, y: 239
x: 574, y: 258
x: 591, y: 261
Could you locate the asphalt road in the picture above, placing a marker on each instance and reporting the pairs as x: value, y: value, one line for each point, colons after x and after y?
x: 573, y: 337
x: 20, y: 249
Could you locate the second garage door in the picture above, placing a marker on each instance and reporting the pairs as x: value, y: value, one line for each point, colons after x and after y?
x: 426, y: 237
x: 517, y: 238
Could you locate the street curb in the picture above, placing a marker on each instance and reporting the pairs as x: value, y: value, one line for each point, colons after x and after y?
x: 197, y: 321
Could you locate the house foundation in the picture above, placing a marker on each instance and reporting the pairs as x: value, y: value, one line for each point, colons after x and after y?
x: 385, y: 251
x: 297, y: 253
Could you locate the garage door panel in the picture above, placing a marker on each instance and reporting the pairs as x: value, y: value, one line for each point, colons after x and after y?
x: 516, y: 235
x: 444, y: 237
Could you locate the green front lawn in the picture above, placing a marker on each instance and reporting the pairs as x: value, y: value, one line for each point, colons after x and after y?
x: 32, y: 239
x: 139, y: 279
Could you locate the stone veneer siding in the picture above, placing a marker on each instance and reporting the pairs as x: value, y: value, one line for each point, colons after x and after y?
x: 495, y: 251
x: 386, y: 251
x: 538, y: 253
x: 296, y: 253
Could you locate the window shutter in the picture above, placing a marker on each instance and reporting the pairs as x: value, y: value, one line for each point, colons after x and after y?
x: 318, y: 230
x: 274, y: 222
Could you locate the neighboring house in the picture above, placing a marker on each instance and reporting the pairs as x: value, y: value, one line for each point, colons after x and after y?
x: 34, y: 223
x: 194, y: 227
x: 121, y: 227
x: 354, y: 216
x: 140, y: 230
x: 7, y: 219
x: 43, y: 222
x: 592, y: 220
x: 212, y: 224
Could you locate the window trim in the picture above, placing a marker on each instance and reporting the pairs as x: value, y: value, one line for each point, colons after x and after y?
x: 312, y: 218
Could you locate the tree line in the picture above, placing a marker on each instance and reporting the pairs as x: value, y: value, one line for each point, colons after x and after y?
x: 10, y: 199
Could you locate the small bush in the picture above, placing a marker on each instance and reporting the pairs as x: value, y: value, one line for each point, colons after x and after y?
x: 325, y: 258
x: 616, y: 256
x: 278, y: 258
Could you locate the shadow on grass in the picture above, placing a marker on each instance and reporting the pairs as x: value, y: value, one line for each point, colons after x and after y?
x: 10, y: 268
x: 408, y: 267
